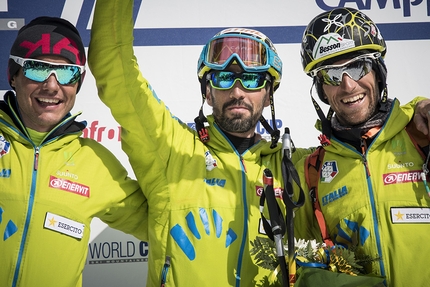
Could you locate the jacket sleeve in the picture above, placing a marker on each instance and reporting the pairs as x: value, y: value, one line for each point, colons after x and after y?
x: 409, y: 108
x: 151, y: 136
x: 119, y: 199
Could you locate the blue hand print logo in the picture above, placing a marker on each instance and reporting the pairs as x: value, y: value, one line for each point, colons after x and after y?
x: 10, y: 228
x: 181, y: 238
x: 354, y: 228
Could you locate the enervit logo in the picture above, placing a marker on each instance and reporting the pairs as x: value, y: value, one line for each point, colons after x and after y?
x: 70, y: 186
x: 402, y: 177
x: 278, y: 191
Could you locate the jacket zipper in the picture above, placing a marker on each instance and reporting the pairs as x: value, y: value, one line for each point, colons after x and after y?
x: 164, y: 272
x: 243, y: 163
x: 36, y: 158
x: 363, y: 155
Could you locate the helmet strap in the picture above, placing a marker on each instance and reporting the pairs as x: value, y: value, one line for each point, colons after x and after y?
x: 275, y: 134
x: 382, y: 73
x: 325, y: 120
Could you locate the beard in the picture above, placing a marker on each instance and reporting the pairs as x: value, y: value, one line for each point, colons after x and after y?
x: 237, y: 123
x: 359, y: 118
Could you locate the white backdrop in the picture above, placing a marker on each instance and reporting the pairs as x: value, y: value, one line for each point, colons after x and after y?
x: 116, y: 259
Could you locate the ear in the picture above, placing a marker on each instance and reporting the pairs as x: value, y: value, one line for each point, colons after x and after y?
x: 12, y: 82
x: 267, y: 99
x: 209, y: 95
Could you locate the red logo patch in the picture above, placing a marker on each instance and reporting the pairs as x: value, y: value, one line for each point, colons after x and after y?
x: 402, y: 177
x: 70, y: 186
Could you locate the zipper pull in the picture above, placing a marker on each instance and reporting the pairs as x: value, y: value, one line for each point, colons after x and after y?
x: 363, y: 154
x: 36, y: 158
x: 165, y: 270
x: 243, y: 163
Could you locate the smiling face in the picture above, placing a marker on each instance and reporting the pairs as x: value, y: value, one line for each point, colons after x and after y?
x: 237, y: 110
x: 354, y: 102
x: 43, y: 105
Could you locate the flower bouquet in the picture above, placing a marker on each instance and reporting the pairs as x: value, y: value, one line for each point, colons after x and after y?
x: 318, y: 265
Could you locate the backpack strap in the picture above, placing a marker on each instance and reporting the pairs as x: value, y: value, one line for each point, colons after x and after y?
x: 313, y: 167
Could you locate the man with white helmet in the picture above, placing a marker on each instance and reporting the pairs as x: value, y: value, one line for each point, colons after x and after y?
x: 367, y: 182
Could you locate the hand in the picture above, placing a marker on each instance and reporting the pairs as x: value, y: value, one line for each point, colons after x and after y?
x: 422, y: 116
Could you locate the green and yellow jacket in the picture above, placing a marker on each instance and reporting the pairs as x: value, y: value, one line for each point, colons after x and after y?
x: 375, y: 199
x: 49, y: 193
x: 203, y: 198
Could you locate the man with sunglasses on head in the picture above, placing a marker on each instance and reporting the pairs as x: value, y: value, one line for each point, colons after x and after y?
x: 53, y: 182
x: 368, y: 181
x: 203, y: 186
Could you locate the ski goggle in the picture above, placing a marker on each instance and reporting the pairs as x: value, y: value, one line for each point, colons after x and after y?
x: 224, y: 80
x: 39, y: 71
x: 355, y: 68
x: 252, y: 54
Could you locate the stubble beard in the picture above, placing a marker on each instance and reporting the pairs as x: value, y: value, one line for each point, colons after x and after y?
x: 237, y: 123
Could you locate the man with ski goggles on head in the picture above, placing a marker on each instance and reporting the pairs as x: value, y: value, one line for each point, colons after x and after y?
x: 368, y: 180
x: 203, y: 186
x: 53, y: 181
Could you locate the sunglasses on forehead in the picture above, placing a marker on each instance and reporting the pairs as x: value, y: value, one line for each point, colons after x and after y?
x: 355, y: 68
x: 224, y: 80
x: 40, y: 71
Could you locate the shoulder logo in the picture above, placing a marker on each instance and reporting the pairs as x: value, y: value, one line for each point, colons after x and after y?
x: 210, y: 161
x: 328, y: 171
x: 331, y: 43
x: 4, y: 146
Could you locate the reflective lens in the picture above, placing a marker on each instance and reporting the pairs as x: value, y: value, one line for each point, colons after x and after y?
x: 252, y: 53
x: 39, y: 71
x: 355, y: 68
x: 224, y: 80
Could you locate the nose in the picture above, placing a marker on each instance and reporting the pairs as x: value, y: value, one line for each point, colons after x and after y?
x: 347, y: 83
x: 51, y: 82
x: 237, y: 91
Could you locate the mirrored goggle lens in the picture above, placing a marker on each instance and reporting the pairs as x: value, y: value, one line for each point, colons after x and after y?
x: 251, y: 52
x: 224, y: 80
x: 355, y: 70
x: 39, y: 71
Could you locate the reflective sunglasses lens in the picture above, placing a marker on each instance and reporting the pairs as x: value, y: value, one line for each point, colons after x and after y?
x: 253, y: 80
x: 251, y: 52
x: 67, y: 74
x: 355, y: 70
x: 225, y: 80
x: 39, y: 72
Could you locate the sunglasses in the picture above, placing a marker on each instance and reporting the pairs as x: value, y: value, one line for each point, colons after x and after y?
x: 224, y: 80
x: 39, y: 71
x: 355, y: 68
